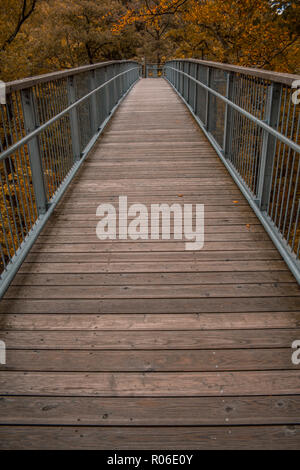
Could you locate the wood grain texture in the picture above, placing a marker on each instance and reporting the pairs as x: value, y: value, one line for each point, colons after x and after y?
x: 156, y: 384
x: 156, y: 322
x: 153, y: 279
x: 175, y: 411
x: 149, y: 360
x: 144, y: 345
x: 150, y: 292
x: 209, y: 339
x: 285, y: 437
x: 144, y: 306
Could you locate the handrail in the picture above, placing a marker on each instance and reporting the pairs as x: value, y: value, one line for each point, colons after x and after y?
x: 251, y: 120
x: 47, y: 77
x: 278, y: 77
x: 47, y: 129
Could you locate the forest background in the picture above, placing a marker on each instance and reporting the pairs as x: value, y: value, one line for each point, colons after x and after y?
x: 40, y: 36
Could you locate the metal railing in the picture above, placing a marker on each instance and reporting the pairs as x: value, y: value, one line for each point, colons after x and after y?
x: 251, y: 120
x: 47, y: 127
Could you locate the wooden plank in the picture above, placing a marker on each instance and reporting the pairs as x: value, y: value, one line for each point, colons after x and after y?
x: 75, y: 234
x: 91, y: 207
x: 115, y: 279
x: 145, y: 247
x: 209, y: 200
x: 229, y: 221
x: 215, y: 233
x: 107, y: 176
x: 285, y: 437
x: 160, y: 146
x: 149, y: 154
x: 142, y: 257
x: 199, y: 156
x: 168, y: 322
x: 156, y: 340
x: 146, y: 137
x: 85, y: 206
x: 151, y: 383
x: 149, y: 361
x: 159, y: 191
x: 174, y: 184
x: 139, y: 164
x: 153, y: 292
x: 143, y: 306
x: 208, y: 215
x: 154, y: 267
x: 176, y: 411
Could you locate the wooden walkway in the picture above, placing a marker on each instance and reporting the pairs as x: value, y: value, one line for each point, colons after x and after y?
x: 143, y: 345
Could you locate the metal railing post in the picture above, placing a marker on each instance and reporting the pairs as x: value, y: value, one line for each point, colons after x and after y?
x: 101, y: 102
x: 37, y: 173
x: 195, y: 88
x: 124, y: 87
x: 228, y: 115
x: 181, y: 83
x: 94, y: 118
x: 119, y: 83
x: 121, y: 89
x: 207, y: 99
x: 189, y: 85
x: 186, y: 81
x: 107, y: 89
x: 115, y: 88
x: 272, y: 111
x: 74, y: 124
x: 107, y: 92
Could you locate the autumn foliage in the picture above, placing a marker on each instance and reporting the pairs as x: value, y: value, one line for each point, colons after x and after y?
x: 38, y: 36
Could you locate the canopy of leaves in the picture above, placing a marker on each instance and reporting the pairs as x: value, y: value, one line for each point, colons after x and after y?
x: 38, y: 36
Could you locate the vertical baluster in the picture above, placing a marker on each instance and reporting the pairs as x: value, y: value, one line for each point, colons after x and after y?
x: 269, y: 145
x: 181, y: 78
x: 106, y: 93
x: 228, y: 116
x: 30, y: 122
x: 74, y: 121
x: 196, y: 68
x: 188, y: 82
x: 115, y: 68
x: 93, y: 108
x: 207, y: 99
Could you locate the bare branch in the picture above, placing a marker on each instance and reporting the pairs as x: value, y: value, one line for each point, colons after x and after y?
x: 24, y: 15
